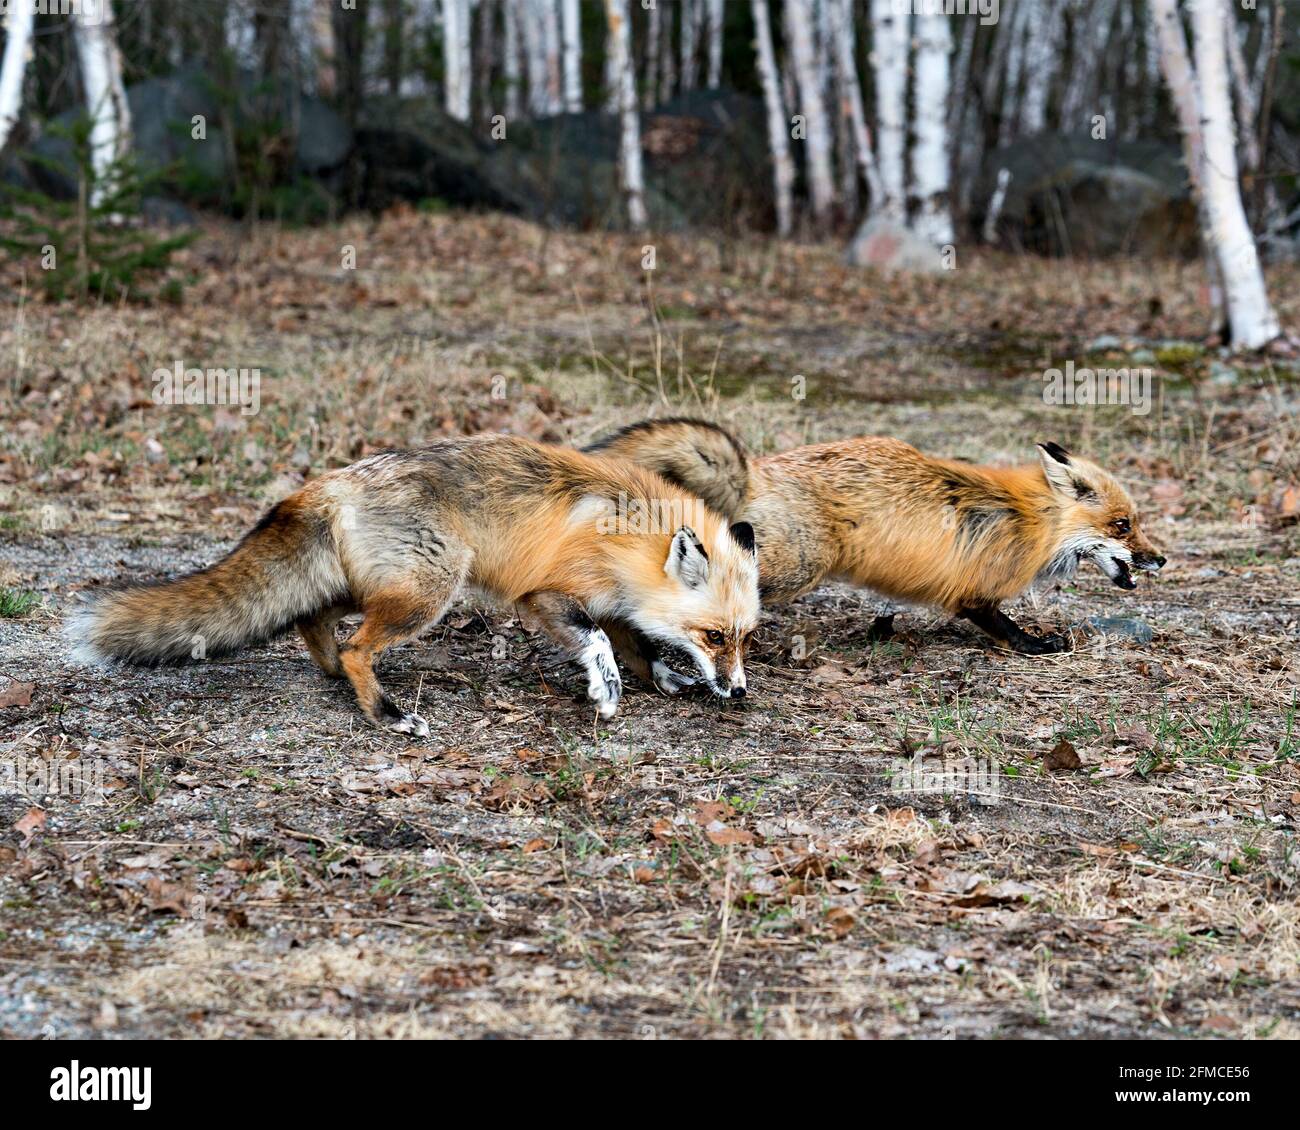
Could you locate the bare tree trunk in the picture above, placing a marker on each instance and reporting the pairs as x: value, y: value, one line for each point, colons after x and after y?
x: 930, y: 163
x: 535, y: 57
x: 1245, y: 98
x: 1179, y: 77
x: 889, y: 30
x: 1250, y: 317
x: 572, y: 23
x: 667, y: 57
x: 630, y: 175
x: 510, y: 63
x: 101, y: 73
x: 716, y: 17
x: 322, y: 37
x: 649, y: 96
x: 846, y: 68
x: 1017, y: 30
x: 690, y: 22
x: 554, y: 70
x: 455, y: 58
x: 1040, y: 59
x: 18, y: 42
x: 821, y: 180
x: 778, y: 129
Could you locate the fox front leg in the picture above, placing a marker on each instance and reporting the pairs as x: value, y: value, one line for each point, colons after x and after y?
x: 646, y: 659
x: 1006, y: 631
x: 567, y: 622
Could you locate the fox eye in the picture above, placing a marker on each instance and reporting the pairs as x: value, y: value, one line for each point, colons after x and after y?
x: 716, y: 638
x: 1122, y: 525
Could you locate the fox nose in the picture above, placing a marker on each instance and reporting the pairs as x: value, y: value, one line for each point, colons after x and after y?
x: 737, y: 692
x: 1160, y: 561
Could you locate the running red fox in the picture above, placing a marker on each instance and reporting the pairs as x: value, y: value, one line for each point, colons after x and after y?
x: 396, y: 535
x: 878, y: 513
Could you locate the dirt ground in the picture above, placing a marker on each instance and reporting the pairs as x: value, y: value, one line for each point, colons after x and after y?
x: 927, y: 837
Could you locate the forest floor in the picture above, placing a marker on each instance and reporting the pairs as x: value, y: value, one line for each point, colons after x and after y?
x: 1112, y: 852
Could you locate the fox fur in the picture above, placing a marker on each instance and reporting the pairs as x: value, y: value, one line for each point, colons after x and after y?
x: 878, y: 513
x: 397, y: 535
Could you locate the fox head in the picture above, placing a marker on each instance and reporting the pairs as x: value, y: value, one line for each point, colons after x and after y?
x: 703, y: 606
x: 1098, y: 521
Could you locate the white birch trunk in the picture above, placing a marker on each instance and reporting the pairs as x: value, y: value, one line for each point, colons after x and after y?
x: 572, y: 24
x: 620, y: 49
x: 534, y: 39
x: 1040, y: 59
x: 847, y: 69
x: 18, y: 43
x: 889, y: 30
x: 1090, y: 46
x: 778, y: 128
x: 1010, y: 115
x: 821, y: 180
x: 455, y: 58
x: 106, y: 104
x: 1244, y: 97
x: 1251, y: 319
x: 716, y: 16
x: 930, y: 165
x: 550, y: 18
x: 690, y: 30
x: 511, y: 49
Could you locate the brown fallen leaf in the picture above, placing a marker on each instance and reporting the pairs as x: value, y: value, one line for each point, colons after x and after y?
x: 1063, y: 756
x: 15, y: 693
x: 31, y: 822
x: 839, y: 921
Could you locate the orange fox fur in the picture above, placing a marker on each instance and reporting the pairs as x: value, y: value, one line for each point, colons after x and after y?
x: 878, y: 513
x: 396, y: 535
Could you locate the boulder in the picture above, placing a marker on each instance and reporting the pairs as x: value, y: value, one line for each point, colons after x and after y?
x: 1073, y: 195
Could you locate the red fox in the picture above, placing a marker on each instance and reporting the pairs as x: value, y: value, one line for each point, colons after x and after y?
x: 396, y: 535
x: 880, y: 514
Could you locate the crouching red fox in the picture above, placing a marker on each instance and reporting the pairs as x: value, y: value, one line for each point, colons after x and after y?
x: 878, y: 513
x: 397, y: 535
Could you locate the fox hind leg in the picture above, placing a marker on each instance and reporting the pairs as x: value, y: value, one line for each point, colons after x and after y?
x: 567, y: 622
x: 399, y: 610
x: 318, y: 634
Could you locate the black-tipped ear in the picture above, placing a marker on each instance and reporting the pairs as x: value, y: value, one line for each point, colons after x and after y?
x: 743, y: 533
x: 1057, y: 452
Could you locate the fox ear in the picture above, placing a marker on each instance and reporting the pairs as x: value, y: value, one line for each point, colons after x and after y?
x: 1061, y: 474
x: 742, y: 533
x: 687, y: 562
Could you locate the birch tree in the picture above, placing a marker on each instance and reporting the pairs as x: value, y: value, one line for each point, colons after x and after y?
x: 101, y: 73
x: 821, y: 181
x: 511, y: 48
x: 456, y: 58
x: 778, y: 134
x: 690, y: 29
x: 716, y: 17
x: 933, y: 219
x: 1250, y: 317
x: 571, y: 20
x: 1041, y: 34
x: 649, y: 93
x: 630, y: 174
x: 889, y: 31
x: 18, y: 41
x: 847, y: 71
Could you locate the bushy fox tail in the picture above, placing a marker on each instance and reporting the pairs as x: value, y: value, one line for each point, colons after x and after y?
x: 284, y: 569
x: 702, y: 458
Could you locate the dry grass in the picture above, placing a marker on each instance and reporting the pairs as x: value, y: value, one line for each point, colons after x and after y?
x: 265, y: 865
